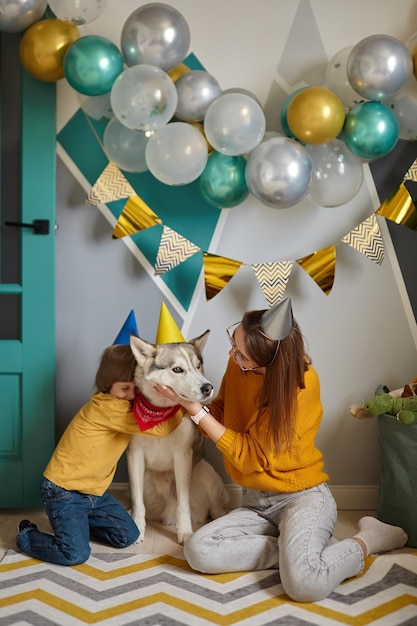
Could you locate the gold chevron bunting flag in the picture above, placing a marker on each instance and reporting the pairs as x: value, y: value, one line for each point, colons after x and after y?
x: 135, y: 216
x: 173, y: 250
x: 218, y: 271
x: 273, y: 279
x: 400, y: 208
x: 367, y: 238
x: 321, y: 267
x: 111, y: 185
x: 412, y: 173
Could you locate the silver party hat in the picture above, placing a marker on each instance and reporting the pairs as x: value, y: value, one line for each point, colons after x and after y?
x: 277, y: 321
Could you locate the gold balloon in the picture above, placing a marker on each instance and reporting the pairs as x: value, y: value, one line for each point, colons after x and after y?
x: 200, y: 127
x: 316, y: 115
x: 178, y: 71
x: 43, y: 47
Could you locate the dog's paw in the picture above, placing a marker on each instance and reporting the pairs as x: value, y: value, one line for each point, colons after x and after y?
x: 182, y: 537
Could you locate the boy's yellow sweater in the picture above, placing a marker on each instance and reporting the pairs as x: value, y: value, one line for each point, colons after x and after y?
x: 87, y: 454
x: 245, y: 444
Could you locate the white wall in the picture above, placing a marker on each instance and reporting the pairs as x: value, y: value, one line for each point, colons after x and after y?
x: 361, y: 335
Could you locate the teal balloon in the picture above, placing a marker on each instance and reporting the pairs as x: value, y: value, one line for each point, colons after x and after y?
x: 223, y: 182
x: 371, y: 130
x: 284, y: 113
x: 92, y: 64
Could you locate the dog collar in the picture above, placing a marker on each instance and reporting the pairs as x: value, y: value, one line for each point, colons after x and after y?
x: 147, y: 415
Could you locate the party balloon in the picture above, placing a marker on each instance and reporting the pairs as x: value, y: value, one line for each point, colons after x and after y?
x: 223, y: 182
x: 78, y: 11
x: 125, y: 147
x: 279, y: 172
x: 18, y: 15
x: 371, y: 130
x: 337, y: 79
x: 178, y: 71
x: 176, y: 154
x: 241, y: 90
x: 143, y: 97
x: 234, y: 124
x: 155, y: 34
x: 92, y: 64
x: 43, y: 47
x: 196, y: 91
x: 337, y: 173
x: 96, y: 107
x: 284, y: 112
x: 379, y: 67
x: 316, y: 115
x: 404, y: 107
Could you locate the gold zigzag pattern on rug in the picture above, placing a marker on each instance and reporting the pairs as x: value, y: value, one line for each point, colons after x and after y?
x: 144, y: 589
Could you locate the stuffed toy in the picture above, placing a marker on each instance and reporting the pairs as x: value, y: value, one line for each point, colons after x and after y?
x: 405, y: 409
x: 406, y: 414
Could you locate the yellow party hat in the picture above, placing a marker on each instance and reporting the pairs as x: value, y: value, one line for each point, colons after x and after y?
x: 168, y: 331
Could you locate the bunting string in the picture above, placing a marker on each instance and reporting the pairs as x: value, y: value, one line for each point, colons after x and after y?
x: 273, y: 276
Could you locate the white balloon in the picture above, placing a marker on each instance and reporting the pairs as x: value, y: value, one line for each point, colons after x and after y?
x: 404, y: 107
x: 125, y: 147
x: 337, y: 79
x: 176, y: 154
x: 337, y: 173
x: 234, y: 124
x: 78, y: 11
x: 96, y: 107
x: 143, y: 97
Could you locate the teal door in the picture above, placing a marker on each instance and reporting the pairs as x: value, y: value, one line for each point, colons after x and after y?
x: 27, y: 278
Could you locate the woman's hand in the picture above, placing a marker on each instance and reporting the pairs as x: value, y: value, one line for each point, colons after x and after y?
x: 167, y: 392
x: 191, y: 407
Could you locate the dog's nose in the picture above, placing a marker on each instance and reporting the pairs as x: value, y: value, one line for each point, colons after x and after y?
x: 206, y: 389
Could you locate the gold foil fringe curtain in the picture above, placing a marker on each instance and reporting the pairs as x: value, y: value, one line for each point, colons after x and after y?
x: 272, y: 276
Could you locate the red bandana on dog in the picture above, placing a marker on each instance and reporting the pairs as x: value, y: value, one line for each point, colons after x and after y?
x: 147, y: 415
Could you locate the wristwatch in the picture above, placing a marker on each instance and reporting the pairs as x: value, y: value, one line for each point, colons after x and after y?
x: 199, y: 416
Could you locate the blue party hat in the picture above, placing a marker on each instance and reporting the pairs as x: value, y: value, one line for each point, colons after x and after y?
x: 128, y: 328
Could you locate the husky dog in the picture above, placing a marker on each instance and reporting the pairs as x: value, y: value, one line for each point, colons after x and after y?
x: 169, y: 480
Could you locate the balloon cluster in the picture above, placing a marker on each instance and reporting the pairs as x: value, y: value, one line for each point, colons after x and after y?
x: 181, y: 126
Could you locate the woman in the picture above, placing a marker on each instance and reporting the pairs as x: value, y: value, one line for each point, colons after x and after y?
x: 264, y: 421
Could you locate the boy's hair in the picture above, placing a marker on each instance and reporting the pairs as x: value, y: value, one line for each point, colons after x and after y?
x: 117, y: 365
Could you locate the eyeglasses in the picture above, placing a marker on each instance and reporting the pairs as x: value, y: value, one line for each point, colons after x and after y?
x: 230, y: 330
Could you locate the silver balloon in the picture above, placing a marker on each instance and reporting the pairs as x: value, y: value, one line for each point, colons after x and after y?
x: 125, y: 147
x: 234, y: 124
x: 156, y: 34
x: 196, y: 91
x: 337, y: 173
x: 17, y: 15
x: 337, y: 79
x: 379, y: 67
x: 279, y: 172
x: 244, y: 91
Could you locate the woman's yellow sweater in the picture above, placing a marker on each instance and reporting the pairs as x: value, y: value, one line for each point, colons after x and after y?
x: 247, y: 449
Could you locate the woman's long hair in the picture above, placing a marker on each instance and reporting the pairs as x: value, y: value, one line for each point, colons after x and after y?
x: 277, y: 401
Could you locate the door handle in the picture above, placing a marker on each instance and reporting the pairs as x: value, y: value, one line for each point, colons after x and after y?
x: 40, y: 227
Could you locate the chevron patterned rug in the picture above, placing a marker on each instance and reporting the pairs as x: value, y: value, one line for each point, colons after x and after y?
x: 121, y: 589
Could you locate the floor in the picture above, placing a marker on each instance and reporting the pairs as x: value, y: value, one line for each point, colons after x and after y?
x: 158, y: 540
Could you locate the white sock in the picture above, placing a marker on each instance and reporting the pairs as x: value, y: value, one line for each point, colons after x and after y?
x: 380, y: 537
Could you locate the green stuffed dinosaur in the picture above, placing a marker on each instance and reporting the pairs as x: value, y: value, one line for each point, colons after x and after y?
x: 405, y: 409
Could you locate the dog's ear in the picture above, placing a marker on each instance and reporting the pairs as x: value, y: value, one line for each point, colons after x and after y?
x: 141, y: 349
x: 200, y: 342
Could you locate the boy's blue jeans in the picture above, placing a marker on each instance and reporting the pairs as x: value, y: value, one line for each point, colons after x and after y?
x: 75, y: 518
